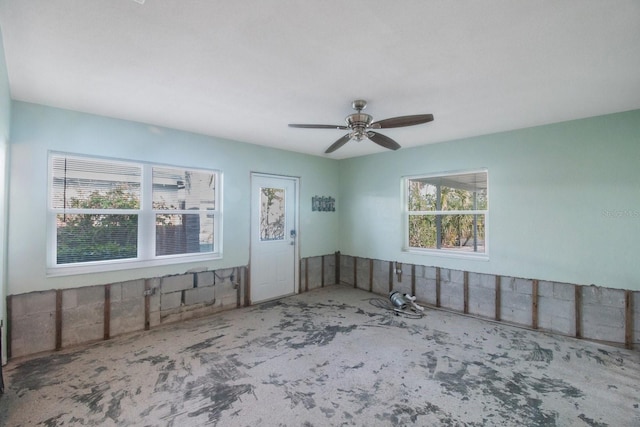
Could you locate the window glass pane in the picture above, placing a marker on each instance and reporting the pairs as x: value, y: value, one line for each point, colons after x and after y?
x: 175, y: 189
x: 88, y: 237
x: 422, y: 196
x: 184, y: 233
x: 447, y: 193
x: 94, y: 184
x: 272, y: 213
x: 456, y: 232
x: 422, y: 231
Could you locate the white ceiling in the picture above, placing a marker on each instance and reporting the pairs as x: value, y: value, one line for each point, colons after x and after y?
x: 244, y: 69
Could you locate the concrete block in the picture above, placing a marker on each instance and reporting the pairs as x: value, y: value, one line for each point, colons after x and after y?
x: 346, y: 269
x: 419, y: 269
x: 199, y: 295
x: 69, y: 298
x: 381, y: 277
x: 33, y: 334
x: 33, y: 326
x: 89, y: 295
x: 180, y: 282
x: 205, y: 278
x: 556, y: 290
x: 154, y: 302
x: 597, y: 295
x: 523, y: 286
x: 226, y: 295
x: 228, y: 300
x: 315, y: 272
x: 363, y: 273
x: 127, y: 316
x: 445, y: 275
x: 564, y: 291
x: 452, y: 295
x: 329, y: 269
x: 131, y: 289
x: 83, y: 315
x: 455, y: 276
x: 84, y: 323
x: 513, y: 284
x: 82, y: 334
x: 515, y: 307
x: 545, y: 289
x: 303, y: 272
x: 33, y: 302
x: 602, y: 315
x: 426, y: 290
x: 116, y: 292
x: 429, y: 272
x: 603, y: 323
x: 482, y: 299
x: 170, y: 301
x: 556, y: 315
x: 487, y: 281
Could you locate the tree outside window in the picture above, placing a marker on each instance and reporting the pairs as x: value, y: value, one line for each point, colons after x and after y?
x: 447, y: 212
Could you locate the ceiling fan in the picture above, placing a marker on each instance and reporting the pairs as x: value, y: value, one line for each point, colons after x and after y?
x: 359, y: 125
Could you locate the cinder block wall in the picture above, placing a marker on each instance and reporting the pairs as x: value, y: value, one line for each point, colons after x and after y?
x: 589, y: 312
x: 51, y: 320
x: 31, y: 323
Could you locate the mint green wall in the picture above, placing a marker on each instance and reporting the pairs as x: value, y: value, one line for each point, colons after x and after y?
x: 564, y: 201
x: 564, y: 198
x: 37, y: 129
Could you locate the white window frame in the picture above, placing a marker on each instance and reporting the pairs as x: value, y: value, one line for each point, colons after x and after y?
x: 443, y: 252
x: 146, y: 224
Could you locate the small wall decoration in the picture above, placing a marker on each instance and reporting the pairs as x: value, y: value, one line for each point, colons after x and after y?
x: 323, y: 204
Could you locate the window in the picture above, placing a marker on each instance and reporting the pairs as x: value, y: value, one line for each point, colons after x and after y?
x: 184, y: 205
x: 447, y: 213
x: 103, y: 212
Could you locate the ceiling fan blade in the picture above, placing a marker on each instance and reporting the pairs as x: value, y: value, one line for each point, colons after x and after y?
x: 339, y: 143
x: 383, y: 141
x: 317, y: 126
x: 401, y: 121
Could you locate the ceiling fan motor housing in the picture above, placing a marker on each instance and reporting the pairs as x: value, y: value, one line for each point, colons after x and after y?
x: 359, y: 123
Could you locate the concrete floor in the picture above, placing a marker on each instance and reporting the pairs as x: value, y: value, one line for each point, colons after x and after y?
x: 327, y: 357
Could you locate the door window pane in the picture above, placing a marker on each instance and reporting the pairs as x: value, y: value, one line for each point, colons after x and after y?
x: 272, y: 213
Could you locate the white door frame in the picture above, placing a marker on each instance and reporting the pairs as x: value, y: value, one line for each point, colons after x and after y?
x: 296, y: 260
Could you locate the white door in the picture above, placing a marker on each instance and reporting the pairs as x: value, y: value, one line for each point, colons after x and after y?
x: 274, y: 242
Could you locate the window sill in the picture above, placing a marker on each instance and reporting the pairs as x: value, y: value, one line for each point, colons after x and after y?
x: 448, y: 254
x: 101, y: 267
